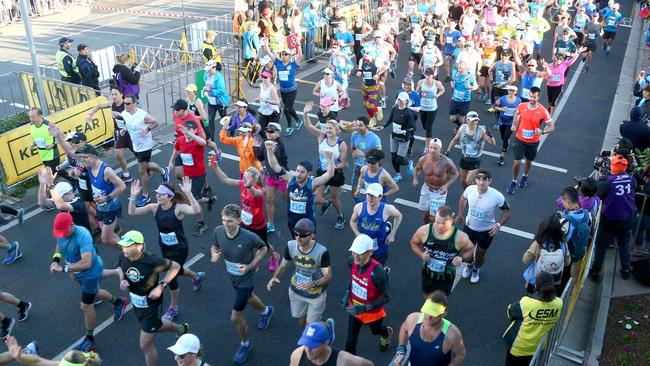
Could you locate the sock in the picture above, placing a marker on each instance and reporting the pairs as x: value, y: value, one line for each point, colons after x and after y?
x: 10, y: 247
x: 246, y: 344
x: 266, y: 310
x: 90, y: 335
x: 201, y: 222
x: 524, y: 175
x: 514, y: 181
x: 113, y: 300
x: 22, y: 305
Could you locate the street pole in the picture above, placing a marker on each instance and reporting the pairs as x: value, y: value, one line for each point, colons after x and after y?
x: 32, y: 50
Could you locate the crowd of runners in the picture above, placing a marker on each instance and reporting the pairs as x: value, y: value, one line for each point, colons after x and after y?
x: 484, y: 50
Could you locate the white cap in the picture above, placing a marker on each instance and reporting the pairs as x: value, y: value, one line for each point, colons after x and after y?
x: 437, y: 141
x: 245, y: 127
x: 375, y: 189
x: 241, y: 103
x: 265, y: 60
x: 403, y: 96
x: 510, y: 87
x: 361, y: 244
x: 63, y: 188
x: 472, y: 116
x: 187, y: 343
x: 210, y: 65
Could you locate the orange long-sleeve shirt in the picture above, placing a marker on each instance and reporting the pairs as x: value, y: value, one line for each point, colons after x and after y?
x: 245, y: 151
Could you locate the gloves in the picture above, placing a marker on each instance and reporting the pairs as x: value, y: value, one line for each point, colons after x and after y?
x: 344, y: 300
x: 357, y: 309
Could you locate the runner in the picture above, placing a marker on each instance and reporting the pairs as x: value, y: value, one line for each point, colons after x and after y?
x: 42, y: 140
x: 502, y: 74
x: 6, y: 323
x: 61, y: 197
x: 169, y: 212
x: 372, y: 217
x: 272, y: 181
x: 329, y: 141
x: 361, y: 142
x: 527, y: 128
x: 439, y: 174
x: 373, y: 172
x: 366, y: 295
x: 241, y: 250
x: 506, y: 105
x: 269, y: 100
x: 370, y: 85
x: 245, y: 143
x: 286, y: 66
x: 74, y: 246
x: 29, y: 356
x: 140, y: 124
x: 592, y: 31
x: 360, y: 29
x: 442, y: 248
x: 342, y: 66
x: 403, y: 128
x: 450, y: 37
x: 462, y: 85
x: 434, y: 340
x: 556, y: 72
x: 413, y: 104
x: 329, y: 88
x: 139, y: 273
x: 430, y: 57
x: 13, y: 248
x: 242, y: 115
x: 316, y: 349
x: 611, y: 19
x: 188, y: 351
x: 530, y: 77
x: 481, y: 226
x: 430, y: 90
x: 471, y: 137
x: 312, y: 274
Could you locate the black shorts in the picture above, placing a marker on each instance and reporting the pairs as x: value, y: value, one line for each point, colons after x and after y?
x: 458, y: 108
x: 553, y: 93
x: 591, y: 47
x: 337, y: 180
x: 150, y: 317
x: 178, y: 255
x: 52, y: 164
x: 469, y: 163
x: 609, y: 35
x: 143, y: 156
x: 480, y: 238
x: 415, y: 57
x: 197, y: 185
x: 430, y: 284
x: 484, y: 71
x: 122, y: 141
x: 242, y: 294
x: 524, y: 149
x: 178, y: 161
x: 108, y: 217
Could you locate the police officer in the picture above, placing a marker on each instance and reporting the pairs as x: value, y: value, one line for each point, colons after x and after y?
x: 87, y: 69
x: 66, y: 63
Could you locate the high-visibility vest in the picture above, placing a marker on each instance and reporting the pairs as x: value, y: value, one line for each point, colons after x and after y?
x: 211, y: 47
x: 60, y: 55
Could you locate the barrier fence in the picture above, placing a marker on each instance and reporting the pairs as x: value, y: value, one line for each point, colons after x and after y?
x: 10, y: 9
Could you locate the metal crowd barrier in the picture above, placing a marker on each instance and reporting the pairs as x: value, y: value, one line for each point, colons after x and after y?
x: 222, y: 25
x: 12, y: 97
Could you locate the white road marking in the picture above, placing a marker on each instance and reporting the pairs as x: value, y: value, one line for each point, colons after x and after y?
x: 14, y: 104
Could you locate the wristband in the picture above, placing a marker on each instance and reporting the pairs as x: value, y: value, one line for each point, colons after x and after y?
x: 401, y: 350
x: 57, y: 257
x: 498, y: 225
x: 131, y: 199
x: 66, y: 268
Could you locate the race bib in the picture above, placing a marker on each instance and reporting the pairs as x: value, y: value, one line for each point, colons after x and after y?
x: 527, y: 134
x: 397, y: 129
x: 120, y: 123
x: 458, y: 95
x: 525, y: 93
x: 358, y: 36
x: 591, y: 36
x: 450, y: 40
x: 283, y: 75
x: 486, y: 62
x: 187, y: 159
x: 82, y: 184
x: 98, y: 193
x: 298, y: 207
x: 40, y: 142
x: 611, y: 23
x: 233, y: 268
x: 471, y: 150
x: 375, y: 245
x: 301, y: 278
x: 367, y: 75
x: 509, y: 112
x: 359, y: 291
x: 556, y: 77
x: 138, y: 301
x: 437, y: 201
x: 246, y: 217
x: 426, y: 102
x: 562, y: 50
x: 437, y: 265
x: 480, y: 215
x: 169, y: 238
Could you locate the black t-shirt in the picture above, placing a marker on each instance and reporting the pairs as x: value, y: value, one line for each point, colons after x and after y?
x: 80, y: 214
x: 142, y: 274
x: 331, y: 115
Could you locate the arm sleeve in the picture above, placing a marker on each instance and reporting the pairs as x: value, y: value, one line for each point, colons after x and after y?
x: 514, y: 311
x: 325, y: 259
x: 380, y: 280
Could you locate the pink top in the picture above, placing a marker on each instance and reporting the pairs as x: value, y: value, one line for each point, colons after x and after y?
x: 557, y: 72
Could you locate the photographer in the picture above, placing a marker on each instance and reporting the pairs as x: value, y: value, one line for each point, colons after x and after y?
x: 617, y: 189
x: 636, y: 129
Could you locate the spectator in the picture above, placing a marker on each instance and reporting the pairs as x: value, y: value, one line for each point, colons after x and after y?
x: 310, y: 20
x: 636, y: 129
x: 215, y: 90
x: 126, y: 75
x: 87, y: 68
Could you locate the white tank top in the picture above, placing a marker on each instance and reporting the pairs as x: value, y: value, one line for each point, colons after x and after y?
x: 134, y: 124
x: 323, y: 147
x: 429, y: 102
x: 331, y: 92
x: 266, y: 108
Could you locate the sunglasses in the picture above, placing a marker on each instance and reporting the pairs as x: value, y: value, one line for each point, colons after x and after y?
x: 178, y: 109
x: 265, y: 77
x: 482, y: 177
x: 300, y: 235
x: 270, y: 131
x: 532, y: 65
x: 125, y: 103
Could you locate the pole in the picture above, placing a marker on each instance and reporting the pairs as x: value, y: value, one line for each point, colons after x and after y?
x: 32, y: 50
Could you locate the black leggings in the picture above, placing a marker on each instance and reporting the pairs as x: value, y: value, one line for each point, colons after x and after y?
x: 179, y: 256
x: 354, y: 327
x: 505, y: 132
x: 288, y: 99
x: 212, y: 114
x: 265, y: 120
x: 398, y: 161
x: 496, y: 94
x: 428, y: 117
x: 8, y: 210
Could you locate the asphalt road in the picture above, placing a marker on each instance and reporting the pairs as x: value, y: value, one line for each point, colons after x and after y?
x: 478, y: 310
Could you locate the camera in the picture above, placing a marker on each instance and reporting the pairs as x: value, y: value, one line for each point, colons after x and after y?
x: 602, y: 162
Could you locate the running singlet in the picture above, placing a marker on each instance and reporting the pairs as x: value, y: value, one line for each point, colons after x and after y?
x: 611, y: 19
x: 170, y: 228
x: 119, y: 121
x: 308, y: 268
x: 324, y: 147
x: 368, y: 71
x: 252, y: 208
x: 441, y: 251
x: 502, y: 71
x: 506, y: 117
x: 471, y: 145
x: 330, y: 91
x: 134, y: 124
x: 368, y: 180
x: 374, y: 226
x: 142, y: 276
x: 286, y: 75
x: 460, y: 92
x: 531, y: 319
x: 364, y: 291
x: 425, y: 353
x: 331, y: 361
x: 529, y: 80
x: 530, y: 120
x: 301, y: 201
x: 428, y: 97
x: 101, y: 188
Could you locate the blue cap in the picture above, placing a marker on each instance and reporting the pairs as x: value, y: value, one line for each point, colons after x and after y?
x: 64, y: 40
x: 307, y: 165
x: 314, y: 335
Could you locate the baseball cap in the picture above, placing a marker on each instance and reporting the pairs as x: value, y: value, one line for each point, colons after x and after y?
x: 62, y: 223
x: 304, y: 226
x: 88, y: 149
x: 429, y: 71
x: 210, y: 65
x: 307, y: 165
x: 81, y: 46
x: 266, y: 74
x: 314, y: 335
x: 403, y: 96
x: 375, y: 189
x: 245, y: 127
x: 187, y: 343
x: 64, y: 40
x: 191, y: 124
x: 180, y: 104
x: 287, y: 51
x: 274, y: 126
x: 430, y: 37
x: 618, y: 164
x: 130, y: 238
x: 432, y: 308
x: 361, y: 244
x: 437, y: 141
x: 241, y: 103
x: 191, y: 88
x: 374, y: 156
x: 62, y: 188
x: 472, y: 116
x: 327, y: 71
x: 326, y: 102
x: 75, y: 137
x: 407, y: 80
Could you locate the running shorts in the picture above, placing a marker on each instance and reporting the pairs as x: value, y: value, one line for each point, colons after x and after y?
x: 480, y: 238
x: 523, y: 149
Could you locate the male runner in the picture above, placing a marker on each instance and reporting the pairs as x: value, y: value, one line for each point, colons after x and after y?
x: 361, y: 141
x: 316, y: 349
x: 7, y: 324
x: 439, y: 173
x: 373, y: 172
x: 611, y: 19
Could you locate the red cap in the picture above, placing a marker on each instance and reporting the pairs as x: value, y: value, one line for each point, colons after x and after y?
x: 62, y: 224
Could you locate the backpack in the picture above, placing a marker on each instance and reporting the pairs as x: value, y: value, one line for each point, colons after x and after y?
x: 129, y: 89
x: 551, y: 258
x: 580, y: 235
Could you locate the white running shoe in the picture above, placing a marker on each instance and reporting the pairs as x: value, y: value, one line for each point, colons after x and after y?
x: 467, y: 270
x: 475, y: 276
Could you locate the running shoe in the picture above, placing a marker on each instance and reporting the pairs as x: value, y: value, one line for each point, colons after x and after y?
x: 382, y: 104
x: 7, y: 328
x: 186, y: 328
x: 467, y: 271
x: 392, y: 73
x: 340, y: 222
x: 20, y: 216
x: 31, y: 348
x: 196, y: 284
x: 330, y: 330
x: 496, y: 126
x: 206, y: 192
x: 13, y: 255
x: 264, y: 321
x: 288, y: 132
x: 200, y: 229
x: 501, y: 161
x: 165, y: 175
x: 490, y: 108
x: 119, y: 309
x: 242, y: 353
x: 171, y: 313
x: 299, y: 124
x: 270, y: 228
x: 211, y: 202
x: 512, y: 187
x: 481, y: 96
x: 325, y: 207
x: 586, y: 69
x: 126, y: 178
x: 410, y: 168
x: 398, y: 177
x: 523, y: 181
x: 274, y: 261
x: 142, y: 200
x: 475, y: 276
x: 625, y: 274
x: 384, y: 342
x: 23, y: 313
x: 86, y: 345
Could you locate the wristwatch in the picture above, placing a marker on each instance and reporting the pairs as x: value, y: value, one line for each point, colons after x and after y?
x: 163, y: 284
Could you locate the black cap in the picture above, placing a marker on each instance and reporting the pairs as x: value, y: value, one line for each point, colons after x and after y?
x: 81, y: 46
x: 307, y: 165
x: 374, y: 155
x: 180, y: 104
x: 191, y: 124
x: 88, y: 149
x: 304, y: 226
x: 78, y: 136
x: 64, y: 40
x: 429, y: 71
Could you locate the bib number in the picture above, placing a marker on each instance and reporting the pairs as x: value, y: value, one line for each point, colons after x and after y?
x: 622, y: 189
x: 375, y: 245
x: 187, y: 159
x: 298, y: 207
x: 611, y: 23
x: 367, y: 75
x: 450, y: 40
x: 233, y: 268
x: 82, y: 184
x: 591, y: 36
x: 358, y: 36
x: 283, y: 75
x: 169, y: 238
x: 525, y: 93
x: 437, y: 265
x: 301, y: 278
x: 510, y: 112
x: 138, y: 301
x: 556, y: 77
x: 246, y: 217
x: 471, y: 150
x: 40, y: 142
x: 359, y: 291
x: 527, y: 134
x: 426, y: 102
x: 459, y: 95
x: 437, y: 201
x: 397, y: 129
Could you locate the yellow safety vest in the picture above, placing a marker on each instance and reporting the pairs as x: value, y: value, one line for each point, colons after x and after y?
x: 41, y: 137
x: 210, y: 47
x: 60, y: 55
